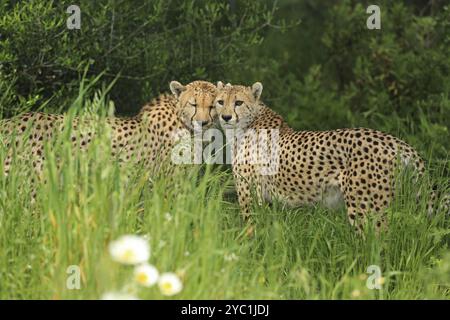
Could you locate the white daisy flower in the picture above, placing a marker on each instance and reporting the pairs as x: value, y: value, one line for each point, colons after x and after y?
x: 170, y: 284
x: 118, y: 296
x: 130, y: 249
x: 146, y: 275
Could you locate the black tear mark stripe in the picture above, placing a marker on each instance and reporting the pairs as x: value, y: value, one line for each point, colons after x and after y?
x: 234, y: 109
x: 192, y: 118
x: 209, y: 113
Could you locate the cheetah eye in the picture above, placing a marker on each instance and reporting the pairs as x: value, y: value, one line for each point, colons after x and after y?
x: 238, y: 103
x: 211, y: 107
x: 193, y: 104
x: 220, y: 102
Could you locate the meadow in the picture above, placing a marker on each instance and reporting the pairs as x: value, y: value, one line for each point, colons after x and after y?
x: 321, y: 68
x: 193, y: 225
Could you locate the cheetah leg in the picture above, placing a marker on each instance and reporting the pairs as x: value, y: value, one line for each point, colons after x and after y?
x: 37, y: 176
x: 344, y: 185
x: 246, y: 189
x: 438, y: 201
x: 244, y: 196
x: 7, y: 165
x: 359, y: 217
x: 364, y: 196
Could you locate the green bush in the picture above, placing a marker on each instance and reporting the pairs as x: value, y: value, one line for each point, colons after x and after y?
x: 148, y: 43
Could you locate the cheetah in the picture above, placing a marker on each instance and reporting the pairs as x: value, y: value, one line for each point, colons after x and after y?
x: 142, y: 139
x: 306, y: 167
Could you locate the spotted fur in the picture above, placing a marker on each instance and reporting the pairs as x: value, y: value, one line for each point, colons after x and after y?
x: 142, y: 139
x: 357, y: 165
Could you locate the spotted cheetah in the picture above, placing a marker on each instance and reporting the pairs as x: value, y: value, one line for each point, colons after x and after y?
x: 357, y: 165
x: 140, y: 139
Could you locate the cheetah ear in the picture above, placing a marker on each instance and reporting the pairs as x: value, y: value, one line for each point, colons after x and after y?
x: 176, y: 88
x: 220, y: 85
x: 257, y: 90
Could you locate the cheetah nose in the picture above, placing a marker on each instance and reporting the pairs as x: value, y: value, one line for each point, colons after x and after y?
x: 226, y: 118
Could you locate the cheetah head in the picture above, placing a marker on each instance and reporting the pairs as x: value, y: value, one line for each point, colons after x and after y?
x: 237, y: 105
x: 195, y: 103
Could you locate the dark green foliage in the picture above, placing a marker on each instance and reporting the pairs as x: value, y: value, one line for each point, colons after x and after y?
x: 330, y: 71
x: 148, y: 42
x: 322, y: 69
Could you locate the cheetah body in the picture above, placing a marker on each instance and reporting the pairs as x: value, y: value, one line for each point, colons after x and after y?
x: 306, y: 167
x: 144, y: 139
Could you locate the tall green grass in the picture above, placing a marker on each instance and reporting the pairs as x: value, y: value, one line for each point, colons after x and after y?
x: 85, y: 200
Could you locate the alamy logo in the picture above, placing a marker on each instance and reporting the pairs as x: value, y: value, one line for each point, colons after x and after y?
x: 374, y: 20
x: 74, y: 20
x: 252, y: 147
x: 375, y: 280
x: 73, y: 281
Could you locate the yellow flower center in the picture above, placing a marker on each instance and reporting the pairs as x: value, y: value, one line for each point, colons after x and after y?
x: 141, y: 278
x: 166, y: 287
x: 128, y: 255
